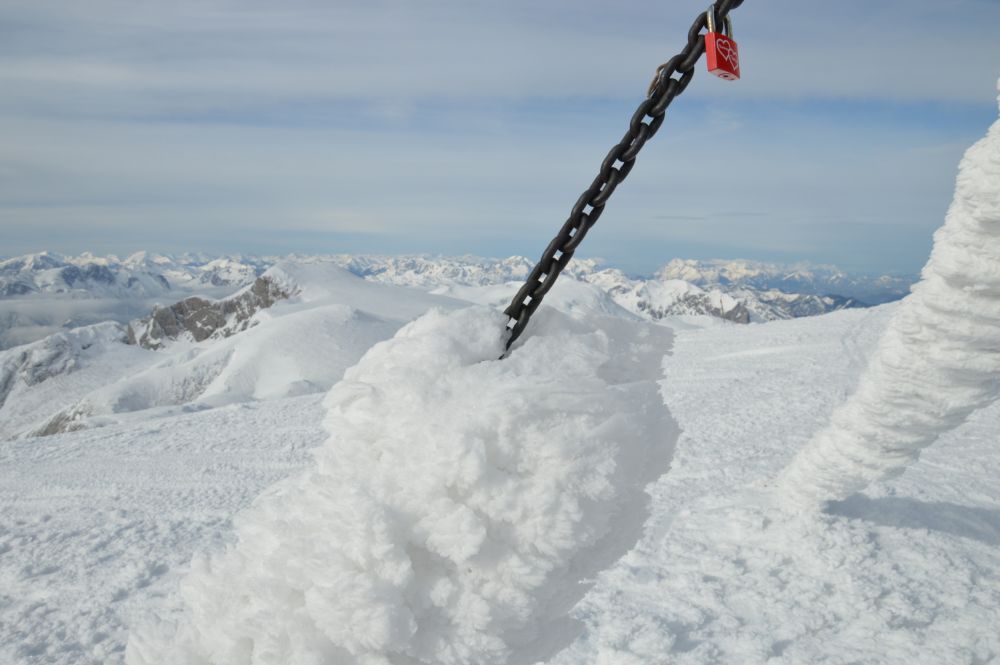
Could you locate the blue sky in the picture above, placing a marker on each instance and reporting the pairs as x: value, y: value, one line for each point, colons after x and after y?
x: 471, y: 127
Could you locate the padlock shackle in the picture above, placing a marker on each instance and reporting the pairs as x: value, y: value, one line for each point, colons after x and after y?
x: 727, y: 24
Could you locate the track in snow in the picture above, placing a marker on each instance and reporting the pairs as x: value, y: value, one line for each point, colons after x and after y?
x: 95, y: 524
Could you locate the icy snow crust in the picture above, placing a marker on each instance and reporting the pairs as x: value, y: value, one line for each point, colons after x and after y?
x: 939, y: 359
x: 456, y: 511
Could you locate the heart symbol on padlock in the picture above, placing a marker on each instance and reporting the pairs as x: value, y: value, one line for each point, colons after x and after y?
x: 727, y: 50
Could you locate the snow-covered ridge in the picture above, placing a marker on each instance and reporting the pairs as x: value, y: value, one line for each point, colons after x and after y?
x: 652, y: 298
x: 140, y: 275
x: 196, y: 319
x: 656, y: 299
x: 799, y: 278
x: 44, y: 293
x: 143, y: 273
x: 40, y: 293
x: 62, y: 353
x: 291, y: 333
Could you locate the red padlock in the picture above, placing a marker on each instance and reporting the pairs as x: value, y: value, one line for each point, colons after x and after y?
x: 721, y: 52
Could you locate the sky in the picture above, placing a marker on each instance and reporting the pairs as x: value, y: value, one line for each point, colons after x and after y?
x: 471, y: 127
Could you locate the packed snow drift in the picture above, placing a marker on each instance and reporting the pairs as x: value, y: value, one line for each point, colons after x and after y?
x: 457, y: 512
x: 939, y: 359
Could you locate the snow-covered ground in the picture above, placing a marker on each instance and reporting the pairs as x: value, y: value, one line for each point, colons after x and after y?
x: 98, y: 527
x: 94, y: 524
x: 908, y: 572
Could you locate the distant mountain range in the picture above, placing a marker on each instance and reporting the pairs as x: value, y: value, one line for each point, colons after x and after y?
x: 800, y: 278
x: 737, y: 290
x: 94, y: 338
x: 44, y: 293
x: 140, y: 275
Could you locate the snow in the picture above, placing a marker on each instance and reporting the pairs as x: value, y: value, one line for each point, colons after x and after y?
x: 317, y: 280
x: 93, y: 523
x: 40, y: 378
x: 454, y: 514
x: 653, y: 299
x: 569, y: 295
x: 41, y: 293
x: 908, y: 573
x: 99, y: 527
x: 737, y: 276
x: 938, y: 361
x: 298, y: 346
x: 605, y: 495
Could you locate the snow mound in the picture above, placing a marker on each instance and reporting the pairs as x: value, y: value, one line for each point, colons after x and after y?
x: 571, y: 296
x: 291, y: 353
x: 318, y: 280
x: 457, y: 511
x: 939, y: 359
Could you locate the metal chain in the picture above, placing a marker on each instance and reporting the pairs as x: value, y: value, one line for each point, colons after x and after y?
x: 615, y: 167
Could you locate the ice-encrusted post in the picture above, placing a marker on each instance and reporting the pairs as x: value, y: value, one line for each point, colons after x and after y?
x: 939, y: 359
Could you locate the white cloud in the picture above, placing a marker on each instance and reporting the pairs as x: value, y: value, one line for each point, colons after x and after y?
x: 465, y: 119
x: 148, y: 57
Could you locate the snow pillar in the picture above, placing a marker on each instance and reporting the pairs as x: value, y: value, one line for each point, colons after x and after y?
x: 939, y: 359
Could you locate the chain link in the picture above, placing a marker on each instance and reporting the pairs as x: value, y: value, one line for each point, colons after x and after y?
x: 670, y: 80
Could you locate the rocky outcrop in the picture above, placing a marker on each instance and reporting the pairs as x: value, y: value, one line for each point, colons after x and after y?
x: 774, y: 305
x: 198, y: 319
x: 711, y: 303
x: 71, y: 420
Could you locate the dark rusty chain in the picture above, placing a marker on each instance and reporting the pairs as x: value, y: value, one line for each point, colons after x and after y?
x: 615, y: 167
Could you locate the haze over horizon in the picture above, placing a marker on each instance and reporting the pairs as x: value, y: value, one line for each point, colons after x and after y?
x: 601, y: 262
x: 471, y: 129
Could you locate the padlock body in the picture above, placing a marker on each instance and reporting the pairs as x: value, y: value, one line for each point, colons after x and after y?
x: 722, y: 55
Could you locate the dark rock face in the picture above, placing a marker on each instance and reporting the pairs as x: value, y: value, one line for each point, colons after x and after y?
x: 801, y: 304
x: 92, y: 273
x: 203, y: 319
x: 32, y: 262
x: 98, y: 273
x: 700, y: 303
x: 738, y: 314
x: 808, y: 305
x: 17, y: 289
x: 60, y: 423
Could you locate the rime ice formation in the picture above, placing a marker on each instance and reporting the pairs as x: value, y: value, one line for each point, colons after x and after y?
x: 939, y: 359
x: 456, y: 512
